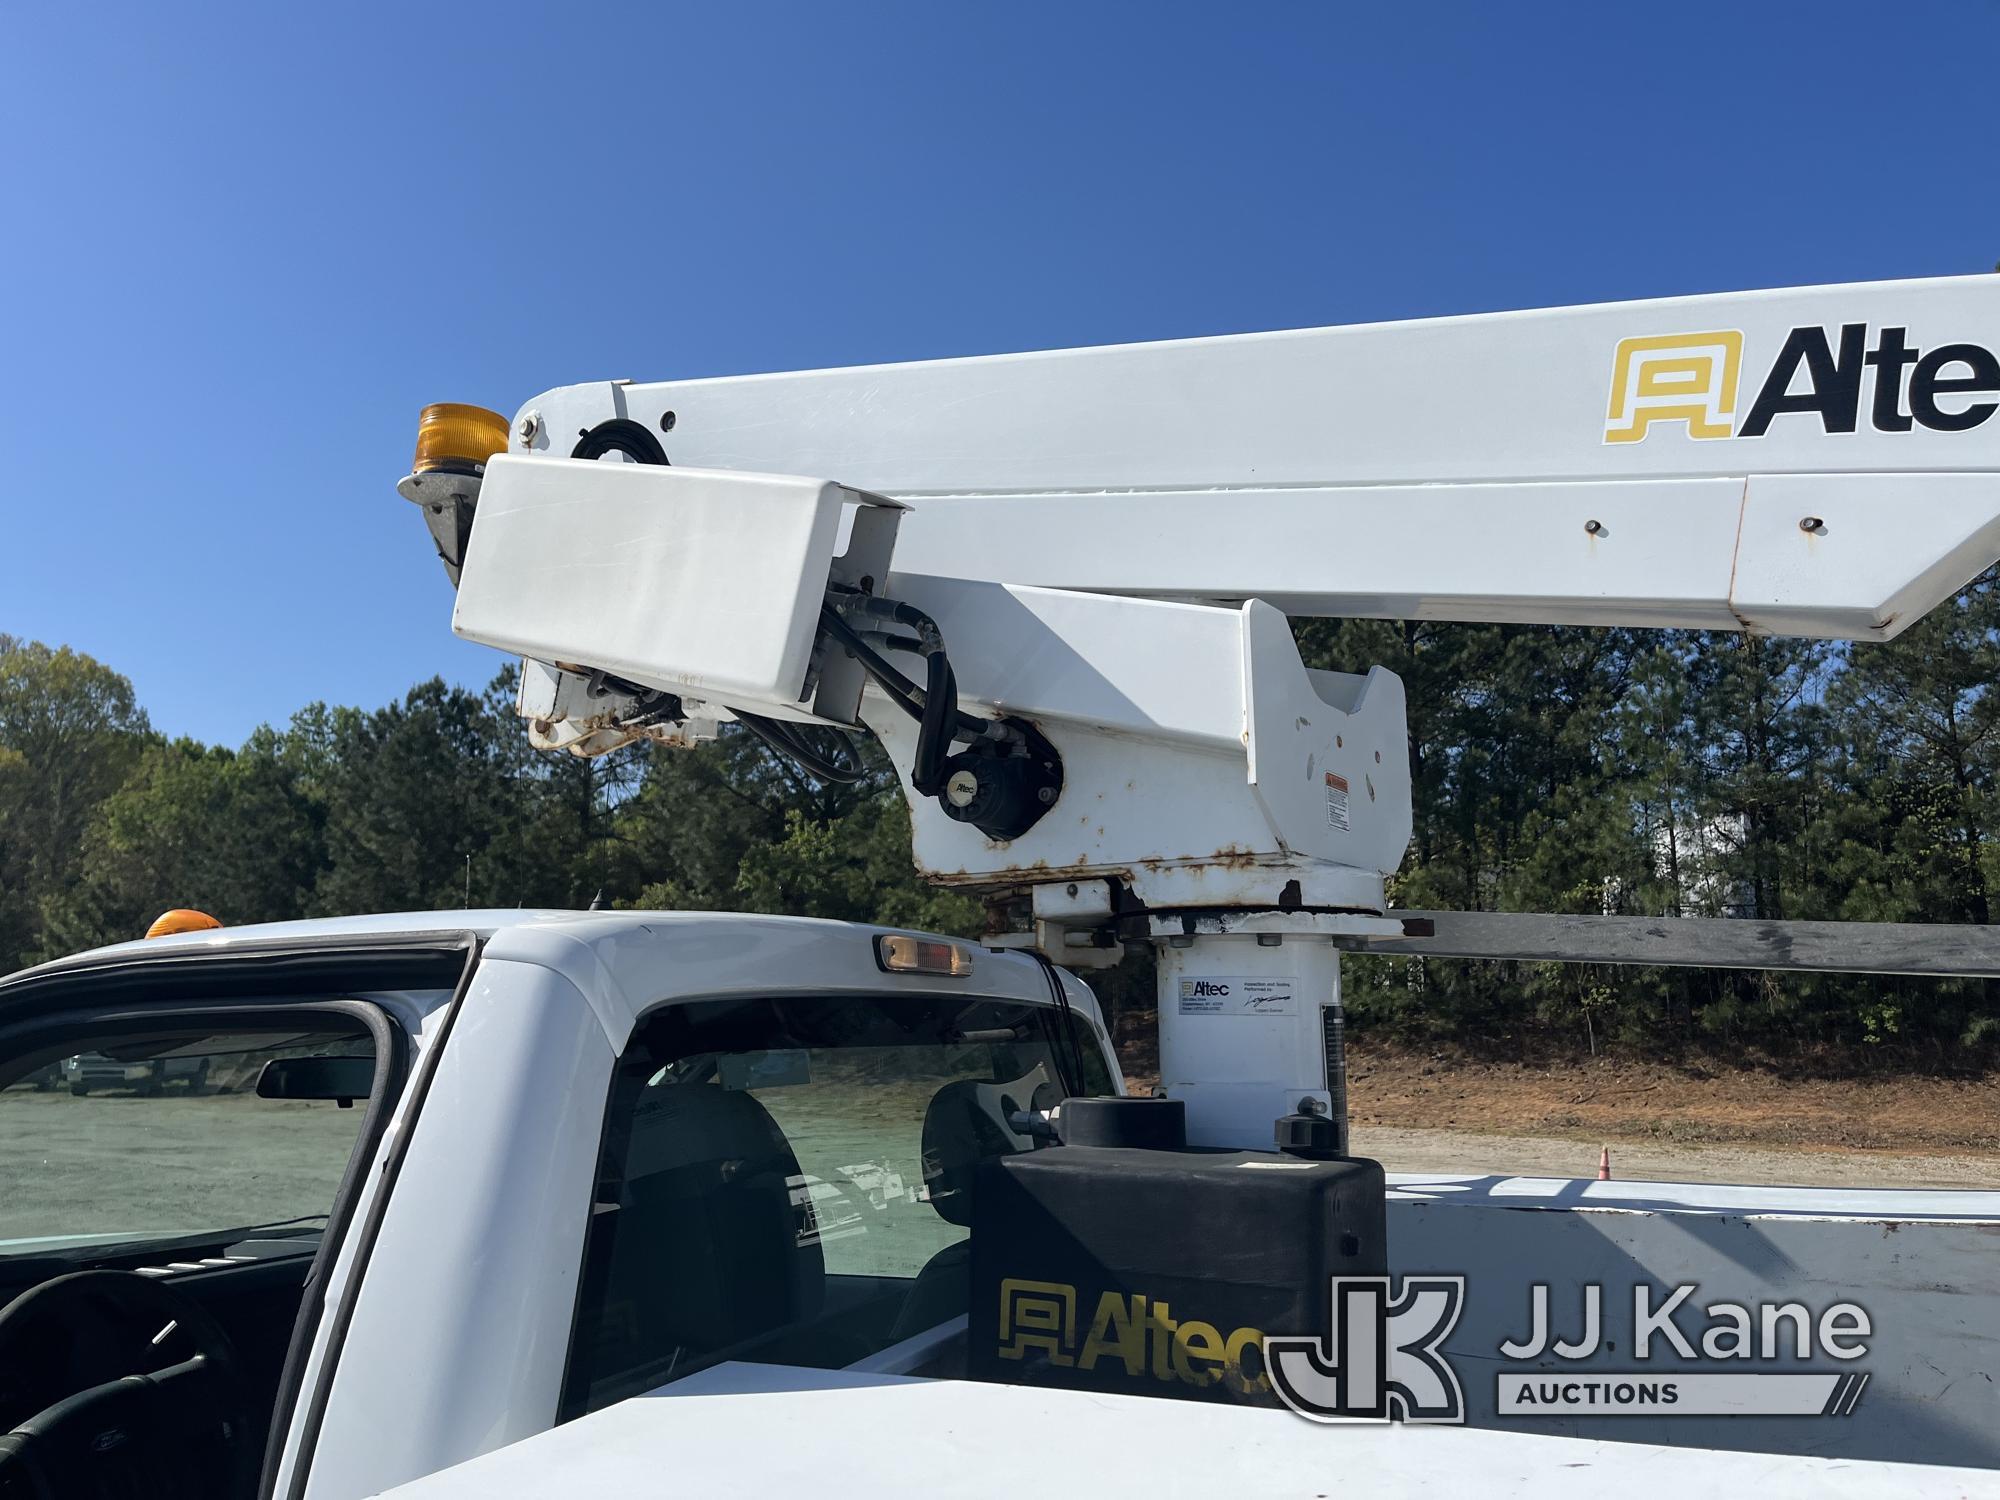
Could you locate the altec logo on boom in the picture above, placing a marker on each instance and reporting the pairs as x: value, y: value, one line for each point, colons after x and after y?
x: 1692, y: 378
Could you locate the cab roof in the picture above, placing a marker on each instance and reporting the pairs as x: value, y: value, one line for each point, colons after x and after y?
x: 625, y: 963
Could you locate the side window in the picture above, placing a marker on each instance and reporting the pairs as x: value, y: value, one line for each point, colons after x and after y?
x: 788, y: 1180
x: 130, y: 1142
x: 1090, y: 1045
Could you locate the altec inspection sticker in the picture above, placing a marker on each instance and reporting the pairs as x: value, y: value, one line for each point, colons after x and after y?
x: 1229, y: 995
x: 1336, y: 801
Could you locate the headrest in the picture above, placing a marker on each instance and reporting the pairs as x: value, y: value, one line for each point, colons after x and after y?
x: 718, y: 1225
x: 965, y: 1123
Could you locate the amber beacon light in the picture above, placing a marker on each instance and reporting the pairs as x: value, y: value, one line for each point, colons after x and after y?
x: 458, y: 438
x: 180, y: 919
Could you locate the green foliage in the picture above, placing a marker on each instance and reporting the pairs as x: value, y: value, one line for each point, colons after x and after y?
x: 1618, y: 771
x: 70, y: 733
x: 1681, y: 774
x: 231, y: 832
x: 435, y: 801
x: 858, y: 869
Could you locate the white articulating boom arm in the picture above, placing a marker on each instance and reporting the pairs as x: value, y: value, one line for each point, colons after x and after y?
x: 1046, y: 559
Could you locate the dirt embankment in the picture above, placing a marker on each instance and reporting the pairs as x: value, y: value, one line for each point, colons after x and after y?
x: 1687, y: 1105
x: 1421, y: 1111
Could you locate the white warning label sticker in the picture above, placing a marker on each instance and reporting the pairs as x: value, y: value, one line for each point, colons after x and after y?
x: 1226, y: 995
x: 1336, y: 802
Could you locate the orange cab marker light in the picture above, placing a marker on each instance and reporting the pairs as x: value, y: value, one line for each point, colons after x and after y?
x: 180, y: 919
x: 897, y: 953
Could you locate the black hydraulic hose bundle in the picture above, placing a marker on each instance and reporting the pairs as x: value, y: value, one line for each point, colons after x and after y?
x: 934, y: 706
x: 934, y: 727
x: 789, y: 740
x: 1069, y: 1057
x: 1007, y: 776
x: 620, y: 435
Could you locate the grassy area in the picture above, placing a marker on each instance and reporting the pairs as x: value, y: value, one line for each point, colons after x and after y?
x: 116, y: 1162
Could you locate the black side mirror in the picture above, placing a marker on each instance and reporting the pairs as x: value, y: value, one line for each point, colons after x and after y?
x: 341, y: 1079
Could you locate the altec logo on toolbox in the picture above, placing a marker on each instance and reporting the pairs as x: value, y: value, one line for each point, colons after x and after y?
x: 1126, y: 1331
x: 1692, y: 380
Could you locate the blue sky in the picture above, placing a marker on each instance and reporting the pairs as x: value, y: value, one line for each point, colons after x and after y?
x: 242, y: 246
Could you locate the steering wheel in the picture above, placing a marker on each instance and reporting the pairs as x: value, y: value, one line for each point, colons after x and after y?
x: 158, y: 1407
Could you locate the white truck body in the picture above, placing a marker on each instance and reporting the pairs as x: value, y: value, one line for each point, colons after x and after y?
x: 450, y: 1297
x: 872, y: 1434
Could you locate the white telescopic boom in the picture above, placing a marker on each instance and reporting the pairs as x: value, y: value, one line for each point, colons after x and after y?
x: 1644, y: 463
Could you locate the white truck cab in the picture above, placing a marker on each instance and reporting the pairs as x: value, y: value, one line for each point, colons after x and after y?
x: 468, y: 1195
x: 585, y: 1153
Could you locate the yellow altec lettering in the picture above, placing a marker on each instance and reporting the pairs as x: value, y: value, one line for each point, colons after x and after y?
x: 1119, y: 1331
x: 1240, y: 1344
x: 1198, y: 1352
x: 1139, y: 1334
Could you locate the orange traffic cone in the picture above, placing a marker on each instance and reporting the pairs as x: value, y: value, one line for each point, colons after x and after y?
x: 1604, y: 1165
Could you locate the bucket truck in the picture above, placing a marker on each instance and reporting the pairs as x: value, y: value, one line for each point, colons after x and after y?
x: 638, y: 1199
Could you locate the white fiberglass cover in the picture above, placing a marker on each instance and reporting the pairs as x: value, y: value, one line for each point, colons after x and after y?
x: 688, y: 580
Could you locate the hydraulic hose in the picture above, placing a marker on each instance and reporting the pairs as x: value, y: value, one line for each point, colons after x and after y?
x: 786, y: 740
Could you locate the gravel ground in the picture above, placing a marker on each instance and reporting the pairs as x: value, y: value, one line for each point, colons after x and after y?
x: 1650, y: 1161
